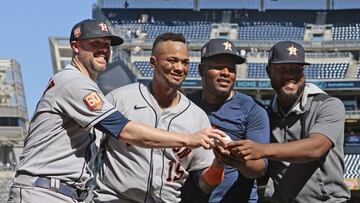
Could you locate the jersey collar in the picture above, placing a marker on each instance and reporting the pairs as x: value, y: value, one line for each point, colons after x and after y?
x: 299, y: 108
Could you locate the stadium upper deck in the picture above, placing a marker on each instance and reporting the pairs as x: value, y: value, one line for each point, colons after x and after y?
x: 261, y: 5
x: 332, y: 44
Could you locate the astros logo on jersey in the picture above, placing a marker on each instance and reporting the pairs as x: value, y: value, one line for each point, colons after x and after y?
x: 93, y: 101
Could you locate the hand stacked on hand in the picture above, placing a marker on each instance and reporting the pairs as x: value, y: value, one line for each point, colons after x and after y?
x: 235, y: 152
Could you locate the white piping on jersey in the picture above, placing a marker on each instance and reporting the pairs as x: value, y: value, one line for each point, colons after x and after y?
x: 150, y: 175
x: 87, y: 160
x: 101, y: 116
x: 163, y: 151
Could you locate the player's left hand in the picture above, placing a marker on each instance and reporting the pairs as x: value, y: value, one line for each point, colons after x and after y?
x: 224, y: 156
x: 246, y: 149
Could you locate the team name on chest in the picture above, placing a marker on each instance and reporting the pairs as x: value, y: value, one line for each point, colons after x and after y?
x: 181, y: 152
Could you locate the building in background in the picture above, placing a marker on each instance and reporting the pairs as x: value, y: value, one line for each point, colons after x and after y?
x: 13, y: 112
x: 14, y: 121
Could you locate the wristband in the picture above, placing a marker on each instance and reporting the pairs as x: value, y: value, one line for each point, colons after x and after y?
x: 213, y: 175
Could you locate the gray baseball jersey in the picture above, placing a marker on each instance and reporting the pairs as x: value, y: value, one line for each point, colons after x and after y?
x: 315, y: 181
x: 59, y: 144
x: 133, y: 174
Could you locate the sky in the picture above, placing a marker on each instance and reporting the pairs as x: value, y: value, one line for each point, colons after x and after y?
x: 26, y: 27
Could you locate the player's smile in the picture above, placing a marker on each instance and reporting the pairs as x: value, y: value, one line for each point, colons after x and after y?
x: 288, y: 80
x: 290, y: 86
x: 223, y: 82
x: 220, y: 77
x: 177, y: 77
x: 101, y: 59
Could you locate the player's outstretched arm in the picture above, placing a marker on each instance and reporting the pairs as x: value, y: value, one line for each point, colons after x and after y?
x: 308, y: 149
x: 145, y: 136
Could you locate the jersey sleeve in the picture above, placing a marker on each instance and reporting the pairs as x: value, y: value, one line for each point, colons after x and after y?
x: 116, y: 98
x: 257, y: 125
x: 330, y: 119
x: 84, y: 102
x: 114, y: 123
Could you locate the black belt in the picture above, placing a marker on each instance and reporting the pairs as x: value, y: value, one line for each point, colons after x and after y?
x: 62, y: 188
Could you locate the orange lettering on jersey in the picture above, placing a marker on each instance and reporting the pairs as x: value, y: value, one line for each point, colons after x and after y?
x: 182, y: 152
x: 93, y: 101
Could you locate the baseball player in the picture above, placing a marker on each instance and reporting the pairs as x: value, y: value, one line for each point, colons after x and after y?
x: 306, y: 156
x: 133, y: 174
x: 55, y: 163
x: 237, y: 114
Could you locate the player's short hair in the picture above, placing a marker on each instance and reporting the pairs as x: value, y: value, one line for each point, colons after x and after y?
x: 168, y: 36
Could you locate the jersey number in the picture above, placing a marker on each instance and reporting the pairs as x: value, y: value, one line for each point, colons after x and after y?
x: 93, y: 101
x: 175, y: 171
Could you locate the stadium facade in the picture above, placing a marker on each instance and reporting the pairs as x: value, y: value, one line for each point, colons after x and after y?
x: 14, y: 121
x: 14, y: 116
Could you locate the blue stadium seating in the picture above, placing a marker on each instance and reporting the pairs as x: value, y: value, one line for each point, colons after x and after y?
x: 352, y: 163
x: 189, y: 31
x: 270, y: 31
x: 326, y: 71
x: 256, y: 70
x: 348, y: 32
x: 146, y: 70
x: 193, y: 70
x: 358, y: 72
x: 201, y: 29
x: 314, y: 71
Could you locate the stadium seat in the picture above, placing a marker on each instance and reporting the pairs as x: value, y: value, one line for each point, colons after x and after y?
x: 358, y: 72
x: 314, y: 71
x: 346, y: 32
x: 352, y: 163
x: 270, y: 31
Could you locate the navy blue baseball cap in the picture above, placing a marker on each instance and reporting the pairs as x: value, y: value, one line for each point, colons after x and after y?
x: 91, y: 28
x: 287, y: 52
x: 216, y: 47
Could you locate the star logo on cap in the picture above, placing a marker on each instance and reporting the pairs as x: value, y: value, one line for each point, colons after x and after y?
x: 227, y: 45
x: 103, y: 27
x: 292, y: 50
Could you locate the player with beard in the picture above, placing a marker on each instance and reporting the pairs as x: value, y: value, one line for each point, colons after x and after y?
x: 307, y: 130
x: 235, y: 113
x: 57, y: 160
